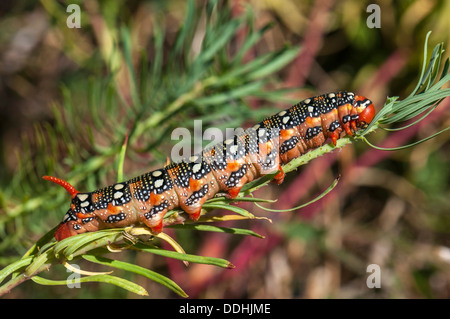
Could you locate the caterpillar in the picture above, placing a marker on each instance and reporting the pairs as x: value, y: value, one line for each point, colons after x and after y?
x: 222, y: 168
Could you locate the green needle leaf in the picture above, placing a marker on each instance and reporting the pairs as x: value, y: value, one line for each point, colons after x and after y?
x: 21, y: 263
x: 121, y: 160
x: 185, y: 257
x: 235, y: 231
x: 229, y: 207
x: 120, y: 282
x: 405, y: 146
x: 137, y: 270
x: 329, y: 189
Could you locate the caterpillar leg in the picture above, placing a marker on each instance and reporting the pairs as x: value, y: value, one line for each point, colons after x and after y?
x: 194, y: 212
x: 154, y: 222
x: 348, y: 129
x: 353, y: 125
x: 279, y: 178
x: 235, y: 176
x: 334, y: 136
x: 192, y: 200
x: 232, y: 193
x: 154, y: 218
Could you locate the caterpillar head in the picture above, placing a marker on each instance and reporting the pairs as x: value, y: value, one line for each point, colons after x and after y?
x: 74, y: 221
x: 364, y: 109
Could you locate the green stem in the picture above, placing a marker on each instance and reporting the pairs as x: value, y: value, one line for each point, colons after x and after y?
x: 6, y: 288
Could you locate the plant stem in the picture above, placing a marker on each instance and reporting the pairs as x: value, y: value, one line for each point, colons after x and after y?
x: 6, y: 288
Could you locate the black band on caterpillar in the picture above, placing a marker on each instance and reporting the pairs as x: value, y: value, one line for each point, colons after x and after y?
x: 225, y: 167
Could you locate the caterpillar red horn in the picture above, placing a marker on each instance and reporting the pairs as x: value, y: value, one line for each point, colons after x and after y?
x: 225, y: 167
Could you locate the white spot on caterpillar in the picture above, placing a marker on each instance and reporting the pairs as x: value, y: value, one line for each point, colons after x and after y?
x: 82, y: 197
x: 310, y: 109
x: 229, y: 141
x: 233, y: 149
x: 257, y: 126
x: 66, y: 218
x: 196, y: 168
x: 261, y: 132
x: 118, y: 186
x: 118, y: 195
x: 282, y: 113
x: 84, y: 204
x: 286, y: 119
x: 159, y: 183
x: 156, y: 173
x: 331, y: 95
x: 307, y: 101
x: 193, y: 158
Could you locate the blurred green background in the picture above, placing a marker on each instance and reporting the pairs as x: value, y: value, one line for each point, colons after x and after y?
x: 69, y: 96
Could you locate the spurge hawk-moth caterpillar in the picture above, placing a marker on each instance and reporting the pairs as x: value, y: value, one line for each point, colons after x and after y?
x: 222, y: 168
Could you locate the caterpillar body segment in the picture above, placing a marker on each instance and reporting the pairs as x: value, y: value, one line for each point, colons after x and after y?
x: 223, y: 168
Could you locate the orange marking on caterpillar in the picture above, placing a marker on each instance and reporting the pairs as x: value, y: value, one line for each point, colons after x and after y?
x: 195, y: 184
x: 233, y: 165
